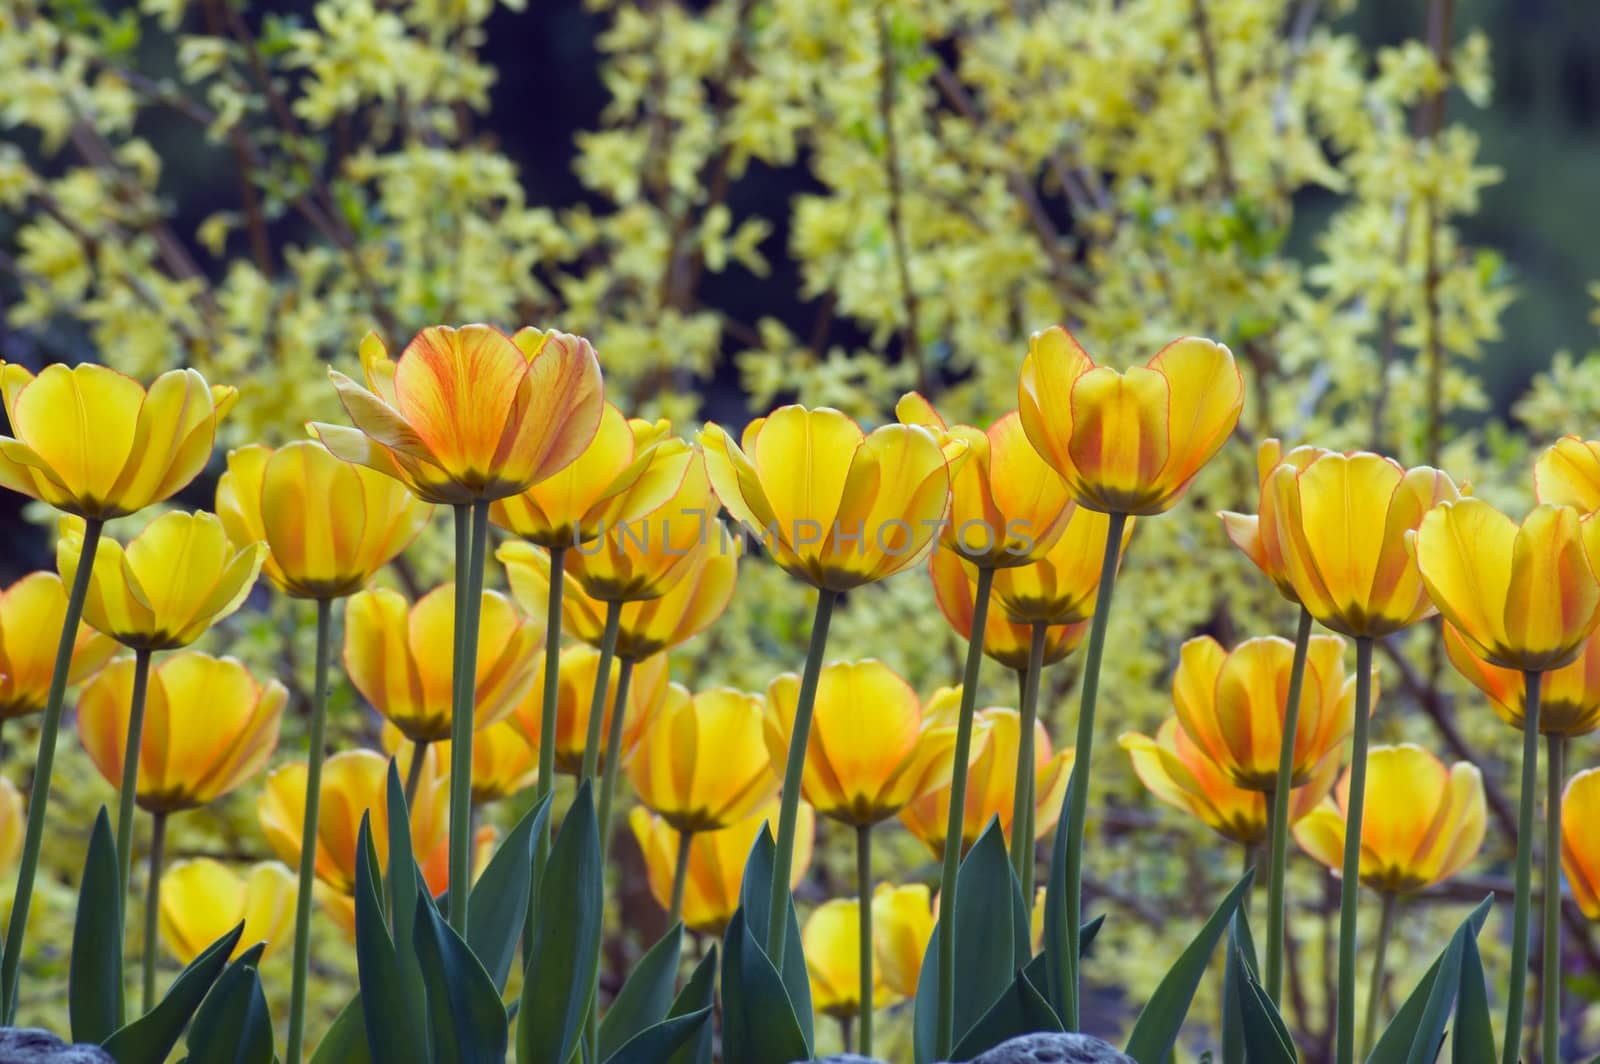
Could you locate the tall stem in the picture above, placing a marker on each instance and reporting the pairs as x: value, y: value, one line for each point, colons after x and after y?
x: 608, y: 775
x: 959, y: 762
x: 864, y: 895
x: 1550, y: 981
x: 1077, y: 800
x: 680, y: 877
x: 1022, y: 798
x: 602, y: 687
x: 789, y: 808
x: 1521, y: 914
x: 1279, y: 805
x: 547, y: 732
x: 1350, y: 883
x: 1375, y: 991
x: 462, y: 722
x: 308, y: 834
x: 152, y: 907
x: 419, y: 756
x: 39, y: 795
x: 130, y: 767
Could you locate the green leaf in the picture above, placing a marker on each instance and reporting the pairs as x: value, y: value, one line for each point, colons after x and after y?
x: 466, y: 1018
x: 1266, y: 1036
x: 234, y: 1025
x: 346, y: 1040
x: 755, y: 898
x: 393, y: 1024
x: 1240, y: 965
x: 150, y: 1038
x: 566, y: 945
x: 697, y: 993
x: 1473, y: 1039
x: 645, y: 998
x: 1055, y: 914
x: 1394, y: 1045
x: 653, y: 1044
x: 1086, y: 936
x: 1429, y: 1036
x: 1156, y: 1030
x: 499, y: 900
x: 94, y: 982
x: 403, y: 883
x: 1021, y: 1010
x: 758, y: 1020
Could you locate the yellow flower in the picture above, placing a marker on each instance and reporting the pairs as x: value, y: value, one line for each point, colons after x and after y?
x: 470, y: 413
x: 831, y: 939
x: 701, y: 763
x: 1062, y: 586
x: 716, y: 862
x: 902, y: 923
x: 1568, y: 474
x: 1128, y: 442
x: 353, y: 782
x: 871, y: 751
x: 1179, y: 773
x: 1257, y: 534
x: 1341, y: 525
x: 174, y: 580
x: 1007, y: 506
x: 1423, y: 822
x: 92, y: 442
x: 329, y: 524
x: 992, y: 779
x: 1580, y: 843
x: 1232, y: 703
x: 399, y: 658
x: 503, y: 762
x: 836, y: 507
x: 202, y: 900
x: 1522, y: 597
x: 208, y: 727
x: 31, y: 613
x: 13, y: 822
x: 696, y: 598
x: 1569, y: 697
x: 577, y: 668
x: 1004, y: 640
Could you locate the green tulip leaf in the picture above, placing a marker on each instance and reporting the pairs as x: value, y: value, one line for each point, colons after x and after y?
x: 234, y: 1025
x: 1021, y: 1010
x: 645, y: 998
x: 1406, y: 1029
x: 466, y: 1020
x: 94, y: 981
x: 1056, y: 943
x: 698, y: 993
x: 346, y: 1040
x: 1240, y: 964
x: 755, y: 898
x: 656, y: 1042
x: 151, y: 1038
x: 499, y: 899
x: 1266, y: 1037
x: 389, y: 1012
x: 758, y: 1020
x: 1472, y: 1041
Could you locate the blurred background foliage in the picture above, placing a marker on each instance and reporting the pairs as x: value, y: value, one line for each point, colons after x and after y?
x: 1385, y: 209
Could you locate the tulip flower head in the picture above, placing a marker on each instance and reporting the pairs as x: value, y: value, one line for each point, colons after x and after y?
x: 1568, y: 474
x: 94, y: 443
x: 701, y: 761
x: 1063, y: 585
x: 209, y: 726
x: 470, y: 414
x: 1569, y: 697
x: 202, y: 900
x: 1257, y: 534
x: 902, y: 923
x: 1580, y: 843
x: 31, y: 614
x: 13, y: 821
x: 1130, y: 442
x: 329, y: 525
x: 831, y: 939
x: 503, y: 762
x: 1004, y: 640
x: 576, y: 676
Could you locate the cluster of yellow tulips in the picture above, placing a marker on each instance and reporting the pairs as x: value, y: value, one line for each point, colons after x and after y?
x: 613, y: 538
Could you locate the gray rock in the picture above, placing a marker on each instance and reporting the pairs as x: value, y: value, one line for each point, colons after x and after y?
x: 29, y: 1045
x: 1054, y: 1049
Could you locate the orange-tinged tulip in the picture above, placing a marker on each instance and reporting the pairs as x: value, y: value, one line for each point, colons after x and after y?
x: 1341, y: 524
x: 1568, y: 474
x: 503, y: 762
x: 13, y: 821
x: 1569, y: 697
x: 329, y: 524
x: 716, y: 862
x: 1522, y: 597
x: 174, y: 580
x: 1062, y: 586
x: 208, y: 727
x: 1004, y: 640
x: 1232, y: 704
x: 1007, y: 506
x: 991, y: 780
x: 398, y: 658
x: 202, y: 900
x: 647, y: 692
x: 902, y: 923
x: 1423, y: 823
x: 1128, y: 442
x: 436, y: 866
x: 646, y: 627
x: 836, y: 507
x: 353, y: 783
x: 31, y: 613
x: 1580, y: 842
x: 469, y: 414
x: 92, y: 442
x: 871, y: 750
x: 1257, y: 534
x: 831, y: 939
x: 701, y: 762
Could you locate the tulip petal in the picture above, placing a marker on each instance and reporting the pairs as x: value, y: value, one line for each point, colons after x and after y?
x: 1119, y: 442
x: 1553, y: 596
x: 557, y: 409
x: 1206, y: 393
x: 82, y: 423
x: 1568, y: 474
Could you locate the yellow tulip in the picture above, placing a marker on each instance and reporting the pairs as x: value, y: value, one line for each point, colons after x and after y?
x: 902, y: 923
x: 646, y: 627
x: 577, y: 668
x: 13, y: 820
x: 1257, y: 534
x: 835, y: 506
x: 470, y: 414
x: 871, y: 750
x: 1341, y: 524
x: 831, y: 939
x: 1231, y: 704
x: 1522, y: 597
x: 202, y: 900
x: 174, y: 580
x: 1128, y: 442
x: 701, y: 762
x: 1004, y: 640
x: 398, y: 658
x: 32, y: 611
x: 1007, y: 506
x: 503, y: 762
x: 329, y: 524
x: 92, y: 442
x: 1568, y: 474
x: 208, y: 727
x: 1580, y: 843
x: 1178, y: 772
x: 1063, y: 586
x: 716, y: 862
x: 991, y: 780
x: 1423, y: 824
x: 1569, y: 697
x: 353, y: 782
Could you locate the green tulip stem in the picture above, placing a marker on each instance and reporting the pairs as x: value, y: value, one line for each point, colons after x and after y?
x: 864, y: 896
x: 1278, y: 804
x: 308, y: 835
x: 152, y: 907
x: 1350, y: 881
x: 547, y: 730
x: 1550, y: 984
x: 602, y: 686
x: 1022, y: 797
x: 1522, y: 915
x: 789, y: 810
x: 608, y: 790
x: 419, y: 757
x: 39, y: 796
x: 462, y: 723
x: 1380, y: 951
x: 1077, y: 798
x: 680, y: 877
x: 130, y: 767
